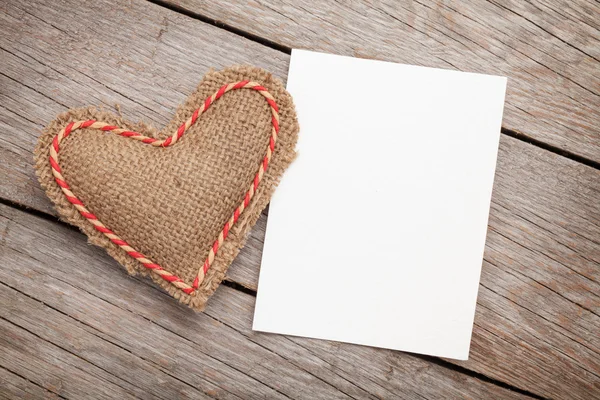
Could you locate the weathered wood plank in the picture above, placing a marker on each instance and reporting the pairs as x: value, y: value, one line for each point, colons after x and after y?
x: 539, y: 295
x: 13, y: 386
x: 92, y: 346
x: 554, y: 219
x: 549, y: 49
x: 62, y: 294
x: 58, y: 371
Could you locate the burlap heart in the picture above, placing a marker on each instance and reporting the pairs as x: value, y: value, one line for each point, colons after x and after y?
x: 175, y: 204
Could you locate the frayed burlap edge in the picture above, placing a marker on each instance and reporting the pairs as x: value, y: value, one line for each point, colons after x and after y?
x: 282, y: 157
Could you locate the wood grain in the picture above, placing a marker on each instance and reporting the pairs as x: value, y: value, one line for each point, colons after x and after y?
x: 68, y: 304
x: 539, y: 300
x: 549, y: 49
x: 13, y: 386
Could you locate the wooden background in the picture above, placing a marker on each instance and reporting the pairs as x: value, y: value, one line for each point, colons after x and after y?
x: 67, y: 331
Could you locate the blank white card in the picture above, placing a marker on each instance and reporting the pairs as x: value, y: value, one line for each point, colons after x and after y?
x: 376, y: 233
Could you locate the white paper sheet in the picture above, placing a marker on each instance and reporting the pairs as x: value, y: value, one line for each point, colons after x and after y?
x: 376, y: 233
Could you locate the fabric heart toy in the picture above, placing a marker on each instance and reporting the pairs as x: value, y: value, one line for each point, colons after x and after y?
x: 176, y: 204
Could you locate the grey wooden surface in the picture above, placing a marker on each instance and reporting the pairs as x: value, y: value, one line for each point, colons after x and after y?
x: 549, y: 49
x: 68, y: 331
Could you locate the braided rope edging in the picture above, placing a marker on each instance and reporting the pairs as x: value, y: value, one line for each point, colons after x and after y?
x: 169, y: 141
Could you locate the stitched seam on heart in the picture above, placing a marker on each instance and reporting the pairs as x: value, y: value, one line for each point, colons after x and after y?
x: 169, y: 141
